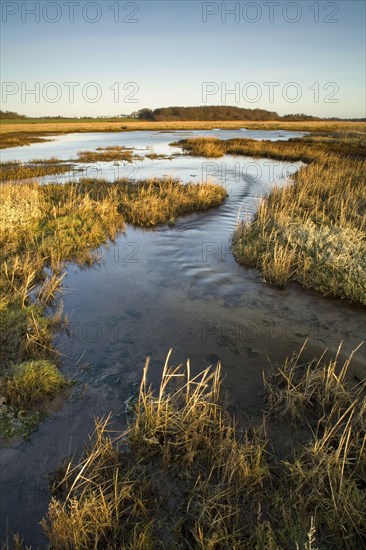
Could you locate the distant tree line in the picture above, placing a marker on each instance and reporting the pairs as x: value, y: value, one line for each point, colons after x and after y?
x: 223, y: 112
x: 206, y: 112
x: 203, y: 112
x: 215, y: 112
x: 10, y: 115
x: 298, y: 117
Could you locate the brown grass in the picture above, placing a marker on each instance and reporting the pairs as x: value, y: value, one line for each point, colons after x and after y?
x: 16, y: 171
x: 182, y: 476
x: 324, y: 478
x: 175, y: 479
x: 108, y: 154
x: 161, y: 201
x: 19, y: 139
x: 176, y: 125
x: 306, y: 149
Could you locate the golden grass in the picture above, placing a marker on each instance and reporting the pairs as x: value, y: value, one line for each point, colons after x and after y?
x: 313, y: 230
x: 47, y: 225
x: 107, y: 154
x: 17, y: 171
x: 317, y: 391
x: 177, y: 125
x: 36, y: 168
x: 41, y: 226
x: 326, y: 476
x: 182, y: 475
x: 161, y: 201
x: 19, y: 139
x: 306, y: 149
x: 174, y: 479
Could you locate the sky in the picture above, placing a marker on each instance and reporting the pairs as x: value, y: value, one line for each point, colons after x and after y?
x: 110, y: 57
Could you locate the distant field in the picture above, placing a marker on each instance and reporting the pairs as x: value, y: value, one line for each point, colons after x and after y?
x: 101, y: 125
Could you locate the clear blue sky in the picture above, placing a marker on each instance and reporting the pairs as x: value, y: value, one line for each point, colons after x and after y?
x: 170, y: 52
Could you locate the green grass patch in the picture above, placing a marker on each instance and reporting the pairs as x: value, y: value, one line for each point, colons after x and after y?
x: 26, y: 388
x: 31, y: 383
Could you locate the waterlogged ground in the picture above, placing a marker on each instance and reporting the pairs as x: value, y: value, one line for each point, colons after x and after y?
x: 169, y: 287
x: 144, y: 143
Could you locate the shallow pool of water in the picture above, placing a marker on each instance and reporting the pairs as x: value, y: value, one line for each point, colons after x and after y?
x: 66, y: 146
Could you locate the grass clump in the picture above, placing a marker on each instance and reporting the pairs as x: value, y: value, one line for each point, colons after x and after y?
x: 161, y: 201
x: 31, y: 382
x: 326, y: 476
x: 36, y: 168
x: 107, y: 154
x: 155, y: 156
x: 202, y: 146
x: 183, y: 476
x: 15, y: 171
x: 25, y: 332
x: 20, y: 138
x: 317, y: 390
x: 306, y: 149
x: 41, y: 227
x: 312, y: 231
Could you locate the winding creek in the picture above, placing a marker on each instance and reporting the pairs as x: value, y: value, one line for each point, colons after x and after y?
x: 170, y: 287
